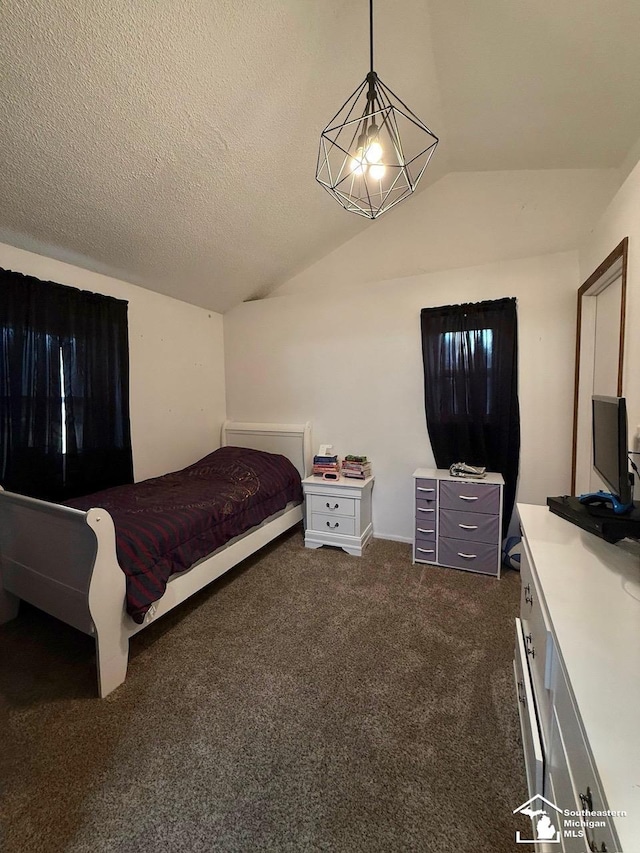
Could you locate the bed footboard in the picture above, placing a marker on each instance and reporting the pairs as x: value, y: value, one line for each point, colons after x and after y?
x: 47, y: 553
x: 64, y: 561
x: 107, y: 595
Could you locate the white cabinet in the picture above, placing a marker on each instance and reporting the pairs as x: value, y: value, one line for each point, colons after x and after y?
x: 338, y: 512
x: 458, y: 522
x: 577, y: 661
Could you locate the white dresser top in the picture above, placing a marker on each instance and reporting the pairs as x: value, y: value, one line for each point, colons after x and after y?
x: 591, y: 591
x: 443, y: 474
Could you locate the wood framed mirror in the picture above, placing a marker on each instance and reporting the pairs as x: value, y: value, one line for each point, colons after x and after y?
x: 599, y: 356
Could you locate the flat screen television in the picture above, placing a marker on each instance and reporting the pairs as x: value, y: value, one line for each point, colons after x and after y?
x: 610, y: 450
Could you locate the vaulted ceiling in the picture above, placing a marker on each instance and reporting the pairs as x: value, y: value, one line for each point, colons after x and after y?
x: 173, y: 144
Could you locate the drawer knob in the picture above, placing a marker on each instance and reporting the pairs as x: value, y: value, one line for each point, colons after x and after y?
x: 426, y: 550
x: 335, y: 506
x: 467, y: 556
x: 467, y: 498
x: 587, y: 800
x: 424, y: 530
x: 468, y: 526
x: 420, y: 509
x: 422, y: 489
x: 333, y: 526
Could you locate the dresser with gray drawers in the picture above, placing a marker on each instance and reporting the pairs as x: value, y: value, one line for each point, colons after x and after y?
x: 458, y: 522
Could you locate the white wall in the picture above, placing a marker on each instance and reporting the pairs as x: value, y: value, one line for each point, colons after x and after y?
x: 351, y: 363
x: 339, y: 342
x: 467, y: 219
x: 176, y: 365
x: 622, y: 219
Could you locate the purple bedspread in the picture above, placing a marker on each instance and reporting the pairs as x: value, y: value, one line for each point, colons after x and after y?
x: 166, y: 524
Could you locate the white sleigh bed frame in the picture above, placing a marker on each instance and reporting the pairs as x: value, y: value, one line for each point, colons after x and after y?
x: 63, y: 560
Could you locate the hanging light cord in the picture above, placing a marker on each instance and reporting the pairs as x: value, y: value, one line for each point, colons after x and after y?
x: 371, y: 32
x: 371, y: 76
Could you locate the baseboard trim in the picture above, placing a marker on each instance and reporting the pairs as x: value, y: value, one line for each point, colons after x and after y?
x: 393, y: 538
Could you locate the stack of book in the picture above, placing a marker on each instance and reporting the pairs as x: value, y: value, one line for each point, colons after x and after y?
x: 326, y: 466
x: 357, y: 467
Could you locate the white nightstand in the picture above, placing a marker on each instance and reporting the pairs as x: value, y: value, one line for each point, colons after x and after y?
x: 338, y: 512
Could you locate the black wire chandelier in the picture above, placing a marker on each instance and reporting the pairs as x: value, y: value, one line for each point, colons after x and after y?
x: 375, y: 149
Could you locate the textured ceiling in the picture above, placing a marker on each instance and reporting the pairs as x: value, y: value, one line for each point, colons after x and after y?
x: 174, y: 144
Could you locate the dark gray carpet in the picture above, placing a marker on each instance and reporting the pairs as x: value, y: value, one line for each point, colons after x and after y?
x: 308, y: 701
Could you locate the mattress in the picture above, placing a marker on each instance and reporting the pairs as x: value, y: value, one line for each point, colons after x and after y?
x: 166, y: 524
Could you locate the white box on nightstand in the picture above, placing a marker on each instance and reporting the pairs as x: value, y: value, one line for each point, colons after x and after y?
x: 338, y: 512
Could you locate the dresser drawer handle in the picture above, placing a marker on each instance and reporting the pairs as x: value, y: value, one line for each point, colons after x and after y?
x: 467, y: 556
x: 587, y: 800
x: 467, y: 498
x: 333, y: 526
x: 530, y: 647
x: 423, y: 530
x: 468, y: 526
x: 335, y: 506
x: 420, y: 509
x: 423, y: 489
x: 426, y: 550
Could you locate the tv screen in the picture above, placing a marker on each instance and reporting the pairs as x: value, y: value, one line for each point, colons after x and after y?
x: 610, y: 451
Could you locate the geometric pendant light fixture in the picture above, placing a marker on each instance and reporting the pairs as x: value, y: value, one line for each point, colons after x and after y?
x: 375, y: 149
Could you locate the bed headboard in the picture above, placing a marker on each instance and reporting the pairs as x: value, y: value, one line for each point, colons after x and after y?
x: 291, y: 440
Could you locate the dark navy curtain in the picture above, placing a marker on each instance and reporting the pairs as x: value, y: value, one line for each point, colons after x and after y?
x: 64, y: 389
x: 470, y: 356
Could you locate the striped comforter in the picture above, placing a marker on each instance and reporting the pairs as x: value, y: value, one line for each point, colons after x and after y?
x: 166, y: 524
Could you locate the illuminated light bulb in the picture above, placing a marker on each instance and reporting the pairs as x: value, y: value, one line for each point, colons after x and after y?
x: 374, y: 152
x: 358, y: 164
x: 376, y: 171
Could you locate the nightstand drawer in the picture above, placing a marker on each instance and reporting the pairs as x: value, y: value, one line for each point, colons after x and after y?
x: 474, y: 526
x: 470, y: 497
x: 475, y: 556
x: 333, y: 523
x: 332, y: 505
